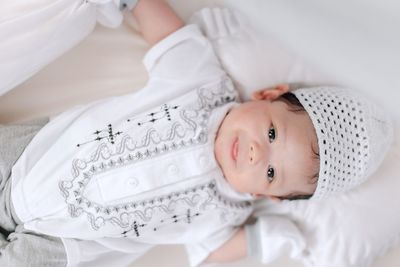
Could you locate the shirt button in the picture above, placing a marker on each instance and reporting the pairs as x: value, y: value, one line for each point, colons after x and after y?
x: 133, y: 182
x: 173, y: 170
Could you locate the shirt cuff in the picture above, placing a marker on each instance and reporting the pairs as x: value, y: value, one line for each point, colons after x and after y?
x: 72, y: 251
x: 253, y: 241
x: 182, y: 34
x: 198, y: 253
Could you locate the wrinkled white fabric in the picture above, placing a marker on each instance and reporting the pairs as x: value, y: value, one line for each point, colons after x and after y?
x: 274, y: 236
x: 34, y: 33
x: 108, y: 12
x: 356, y: 42
x: 252, y: 59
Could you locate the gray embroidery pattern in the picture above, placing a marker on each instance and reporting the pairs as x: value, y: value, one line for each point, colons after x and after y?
x: 156, y: 213
x: 187, y: 128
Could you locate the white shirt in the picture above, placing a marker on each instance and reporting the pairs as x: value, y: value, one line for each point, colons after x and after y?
x: 117, y: 176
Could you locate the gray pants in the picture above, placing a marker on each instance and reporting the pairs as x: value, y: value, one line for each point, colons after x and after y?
x: 18, y: 246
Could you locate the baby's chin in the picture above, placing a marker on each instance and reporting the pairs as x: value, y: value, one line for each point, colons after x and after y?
x: 218, y: 152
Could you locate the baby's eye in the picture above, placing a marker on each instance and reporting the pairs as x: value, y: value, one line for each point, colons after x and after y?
x: 270, y: 173
x: 271, y: 134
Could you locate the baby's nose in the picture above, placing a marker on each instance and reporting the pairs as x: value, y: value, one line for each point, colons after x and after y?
x: 255, y: 153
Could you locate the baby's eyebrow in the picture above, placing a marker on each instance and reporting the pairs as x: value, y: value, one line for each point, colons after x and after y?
x: 314, y: 157
x: 292, y: 195
x: 296, y: 196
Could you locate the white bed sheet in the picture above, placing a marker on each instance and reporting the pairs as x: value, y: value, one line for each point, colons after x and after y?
x: 106, y: 64
x: 357, y: 42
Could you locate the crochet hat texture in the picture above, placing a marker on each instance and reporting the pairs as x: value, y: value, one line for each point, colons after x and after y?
x: 353, y: 137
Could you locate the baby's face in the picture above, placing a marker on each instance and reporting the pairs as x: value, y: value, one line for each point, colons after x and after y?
x: 268, y: 150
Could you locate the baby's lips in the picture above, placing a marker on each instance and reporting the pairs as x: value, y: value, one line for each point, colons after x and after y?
x: 235, y: 149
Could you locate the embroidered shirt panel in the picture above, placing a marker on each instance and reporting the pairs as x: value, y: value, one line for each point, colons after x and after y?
x: 181, y: 127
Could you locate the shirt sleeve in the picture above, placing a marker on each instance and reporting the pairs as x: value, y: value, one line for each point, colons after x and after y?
x: 198, y: 252
x: 185, y: 55
x: 272, y: 237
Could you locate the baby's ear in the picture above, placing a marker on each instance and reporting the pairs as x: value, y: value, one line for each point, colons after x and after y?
x: 271, y: 93
x: 275, y: 199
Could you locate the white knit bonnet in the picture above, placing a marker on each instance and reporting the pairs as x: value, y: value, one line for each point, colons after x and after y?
x: 353, y: 137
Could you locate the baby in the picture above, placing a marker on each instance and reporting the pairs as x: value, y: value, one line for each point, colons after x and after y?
x: 180, y: 162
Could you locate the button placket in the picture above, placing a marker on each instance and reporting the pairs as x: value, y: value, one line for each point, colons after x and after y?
x: 132, y: 182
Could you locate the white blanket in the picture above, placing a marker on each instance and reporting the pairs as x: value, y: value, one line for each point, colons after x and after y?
x: 356, y: 42
x: 34, y: 33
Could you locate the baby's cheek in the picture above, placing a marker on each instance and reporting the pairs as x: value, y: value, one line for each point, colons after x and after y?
x: 256, y: 180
